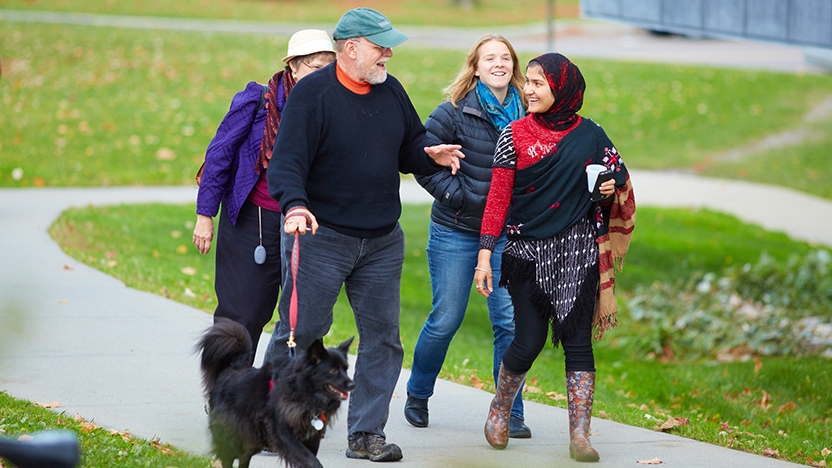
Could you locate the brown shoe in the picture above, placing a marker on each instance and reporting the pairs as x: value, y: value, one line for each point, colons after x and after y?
x: 373, y: 447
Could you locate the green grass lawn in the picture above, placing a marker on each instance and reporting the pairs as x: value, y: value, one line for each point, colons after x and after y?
x: 433, y: 12
x: 101, y: 106
x: 148, y: 247
x: 99, y: 447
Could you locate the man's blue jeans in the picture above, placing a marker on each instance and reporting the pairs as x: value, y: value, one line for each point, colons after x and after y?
x: 371, y: 272
x: 452, y: 256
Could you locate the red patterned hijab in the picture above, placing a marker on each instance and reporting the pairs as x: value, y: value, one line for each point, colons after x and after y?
x: 567, y: 85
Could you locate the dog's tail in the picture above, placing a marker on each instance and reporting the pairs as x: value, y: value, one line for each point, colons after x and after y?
x: 226, y: 344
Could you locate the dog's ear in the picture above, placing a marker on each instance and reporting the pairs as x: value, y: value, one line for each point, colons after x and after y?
x: 316, y: 351
x: 345, y: 346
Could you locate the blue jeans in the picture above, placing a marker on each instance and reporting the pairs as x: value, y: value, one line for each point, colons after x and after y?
x: 452, y: 256
x: 371, y: 272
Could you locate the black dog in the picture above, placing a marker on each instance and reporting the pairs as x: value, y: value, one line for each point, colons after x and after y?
x: 285, y: 406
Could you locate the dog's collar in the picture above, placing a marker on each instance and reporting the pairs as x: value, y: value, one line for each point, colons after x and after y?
x: 271, y: 384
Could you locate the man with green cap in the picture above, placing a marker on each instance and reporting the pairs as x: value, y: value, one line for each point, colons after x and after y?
x: 346, y: 133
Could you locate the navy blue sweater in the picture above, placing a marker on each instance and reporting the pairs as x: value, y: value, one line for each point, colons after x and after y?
x: 340, y: 153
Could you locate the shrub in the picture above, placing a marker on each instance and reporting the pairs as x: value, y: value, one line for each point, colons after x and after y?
x: 769, y: 308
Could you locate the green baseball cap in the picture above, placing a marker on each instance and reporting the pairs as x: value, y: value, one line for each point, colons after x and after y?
x: 370, y: 24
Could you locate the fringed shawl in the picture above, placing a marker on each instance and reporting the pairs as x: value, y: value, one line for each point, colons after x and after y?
x: 612, y: 248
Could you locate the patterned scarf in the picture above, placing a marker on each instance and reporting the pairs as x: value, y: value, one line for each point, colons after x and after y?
x: 567, y: 84
x: 275, y: 99
x: 500, y: 114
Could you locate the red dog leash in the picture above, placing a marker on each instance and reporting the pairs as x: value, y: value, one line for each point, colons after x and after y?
x: 293, y: 303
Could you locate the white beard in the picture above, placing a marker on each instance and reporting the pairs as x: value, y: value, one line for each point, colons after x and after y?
x: 372, y: 74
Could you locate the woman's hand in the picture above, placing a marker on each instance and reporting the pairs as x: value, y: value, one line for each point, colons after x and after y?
x: 203, y: 233
x: 299, y: 220
x: 607, y: 188
x: 482, y: 273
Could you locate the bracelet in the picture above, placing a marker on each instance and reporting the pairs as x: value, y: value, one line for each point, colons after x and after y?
x: 482, y: 270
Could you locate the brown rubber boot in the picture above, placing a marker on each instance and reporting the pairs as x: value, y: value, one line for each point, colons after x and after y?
x: 580, y: 389
x: 499, y: 414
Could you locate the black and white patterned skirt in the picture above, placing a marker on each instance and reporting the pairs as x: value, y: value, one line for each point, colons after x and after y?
x: 564, y: 270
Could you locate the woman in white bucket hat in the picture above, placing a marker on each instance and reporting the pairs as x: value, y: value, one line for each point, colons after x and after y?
x: 248, y: 276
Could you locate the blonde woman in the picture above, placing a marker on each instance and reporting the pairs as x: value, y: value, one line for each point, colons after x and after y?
x: 483, y: 99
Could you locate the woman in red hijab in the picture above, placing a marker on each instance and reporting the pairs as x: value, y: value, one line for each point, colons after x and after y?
x: 563, y: 248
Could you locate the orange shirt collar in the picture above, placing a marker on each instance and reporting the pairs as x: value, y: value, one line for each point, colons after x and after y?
x: 357, y: 87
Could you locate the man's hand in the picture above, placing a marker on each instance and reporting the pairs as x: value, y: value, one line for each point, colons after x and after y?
x: 299, y: 220
x: 446, y: 155
x: 203, y: 233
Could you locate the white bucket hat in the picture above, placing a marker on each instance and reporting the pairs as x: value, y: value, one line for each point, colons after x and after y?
x: 308, y: 41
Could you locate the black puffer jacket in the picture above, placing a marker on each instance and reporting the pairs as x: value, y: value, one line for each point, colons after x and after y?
x: 460, y: 198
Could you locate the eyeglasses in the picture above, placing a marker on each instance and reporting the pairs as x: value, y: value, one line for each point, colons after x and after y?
x: 374, y: 46
x: 315, y: 66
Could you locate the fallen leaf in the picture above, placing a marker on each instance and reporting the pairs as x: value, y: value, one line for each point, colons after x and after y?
x: 88, y: 426
x: 165, y: 154
x: 820, y: 464
x: 476, y: 382
x: 654, y: 461
x: 826, y: 452
x: 765, y: 401
x: 125, y: 435
x: 532, y: 389
x: 25, y: 438
x: 216, y: 464
x: 189, y: 293
x: 673, y: 422
x: 78, y: 418
x: 182, y: 249
x: 112, y: 263
x: 788, y: 407
x: 190, y: 271
x: 155, y: 442
x: 176, y: 234
x: 556, y: 396
x: 111, y: 254
x: 53, y: 404
x: 67, y: 267
x: 773, y: 453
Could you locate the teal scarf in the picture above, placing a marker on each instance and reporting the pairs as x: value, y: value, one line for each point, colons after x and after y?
x: 500, y: 114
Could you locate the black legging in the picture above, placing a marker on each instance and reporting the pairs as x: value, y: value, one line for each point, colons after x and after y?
x: 531, y: 331
x: 247, y: 292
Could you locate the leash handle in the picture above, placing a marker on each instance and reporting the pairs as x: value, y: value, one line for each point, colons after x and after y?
x: 293, y: 303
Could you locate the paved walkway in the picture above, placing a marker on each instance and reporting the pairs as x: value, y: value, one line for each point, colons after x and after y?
x: 72, y: 334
